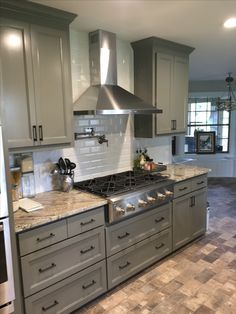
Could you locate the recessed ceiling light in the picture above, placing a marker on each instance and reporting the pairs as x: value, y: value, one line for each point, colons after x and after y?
x: 230, y: 23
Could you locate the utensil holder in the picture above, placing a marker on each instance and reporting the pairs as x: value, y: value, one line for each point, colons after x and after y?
x: 67, y: 182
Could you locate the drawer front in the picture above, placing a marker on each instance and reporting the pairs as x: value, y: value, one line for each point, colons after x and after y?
x: 199, y: 182
x: 182, y: 188
x: 71, y: 293
x: 48, y: 266
x: 130, y: 261
x: 42, y: 237
x: 86, y: 221
x: 124, y: 234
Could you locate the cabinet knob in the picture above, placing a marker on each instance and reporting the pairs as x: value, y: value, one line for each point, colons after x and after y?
x: 142, y: 203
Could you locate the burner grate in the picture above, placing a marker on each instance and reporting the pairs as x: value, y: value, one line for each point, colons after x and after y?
x: 120, y: 182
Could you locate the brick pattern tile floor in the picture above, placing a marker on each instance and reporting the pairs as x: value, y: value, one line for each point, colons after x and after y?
x: 199, y: 279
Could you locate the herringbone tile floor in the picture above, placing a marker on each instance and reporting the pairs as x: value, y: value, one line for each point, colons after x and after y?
x: 199, y: 279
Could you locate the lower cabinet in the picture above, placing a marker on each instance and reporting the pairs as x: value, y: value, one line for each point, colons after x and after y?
x: 189, y: 213
x: 63, y: 263
x: 69, y: 294
x: 128, y: 262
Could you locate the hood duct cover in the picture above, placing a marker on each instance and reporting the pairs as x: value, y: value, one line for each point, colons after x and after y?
x: 104, y: 96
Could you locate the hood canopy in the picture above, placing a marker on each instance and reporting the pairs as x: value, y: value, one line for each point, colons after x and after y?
x: 104, y: 96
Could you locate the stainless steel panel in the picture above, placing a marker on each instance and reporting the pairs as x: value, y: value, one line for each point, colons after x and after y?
x: 7, y: 293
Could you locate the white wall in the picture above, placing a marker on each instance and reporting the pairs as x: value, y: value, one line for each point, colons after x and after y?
x: 91, y: 158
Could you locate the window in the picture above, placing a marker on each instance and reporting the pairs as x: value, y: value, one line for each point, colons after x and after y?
x: 203, y: 116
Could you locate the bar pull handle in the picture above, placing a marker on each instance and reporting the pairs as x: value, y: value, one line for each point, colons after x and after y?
x: 35, y: 137
x: 157, y: 247
x: 87, y: 250
x: 159, y: 219
x: 46, y: 308
x: 84, y: 223
x: 125, y: 265
x: 40, y: 132
x: 42, y: 270
x: 182, y: 189
x: 89, y: 284
x: 123, y: 235
x: 51, y: 235
x: 201, y: 182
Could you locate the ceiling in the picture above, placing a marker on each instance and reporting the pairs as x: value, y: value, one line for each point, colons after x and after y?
x: 197, y: 23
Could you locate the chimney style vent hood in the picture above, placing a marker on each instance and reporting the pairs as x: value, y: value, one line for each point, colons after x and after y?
x: 104, y: 96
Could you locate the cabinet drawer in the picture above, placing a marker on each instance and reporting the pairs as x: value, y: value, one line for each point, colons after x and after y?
x: 71, y: 293
x: 182, y: 188
x: 129, y: 232
x: 86, y: 221
x: 46, y: 267
x: 41, y: 237
x: 199, y: 182
x: 130, y: 261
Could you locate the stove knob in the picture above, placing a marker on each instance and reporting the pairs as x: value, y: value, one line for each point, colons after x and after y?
x: 161, y: 196
x: 120, y: 210
x: 142, y: 203
x: 168, y: 193
x: 130, y: 207
x: 151, y: 199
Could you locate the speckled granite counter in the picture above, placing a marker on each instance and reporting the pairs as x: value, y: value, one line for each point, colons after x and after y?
x: 57, y: 205
x: 183, y: 172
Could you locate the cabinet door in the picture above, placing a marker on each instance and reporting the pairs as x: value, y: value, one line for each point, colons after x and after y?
x: 164, y: 74
x: 180, y: 94
x: 52, y: 85
x: 198, y: 213
x: 181, y: 221
x: 18, y: 96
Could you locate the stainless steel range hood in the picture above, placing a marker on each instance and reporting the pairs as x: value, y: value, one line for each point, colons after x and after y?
x: 104, y: 96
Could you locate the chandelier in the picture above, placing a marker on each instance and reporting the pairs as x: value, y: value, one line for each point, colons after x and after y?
x: 228, y: 103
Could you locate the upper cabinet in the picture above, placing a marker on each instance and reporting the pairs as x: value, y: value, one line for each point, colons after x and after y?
x: 36, y: 80
x: 161, y: 78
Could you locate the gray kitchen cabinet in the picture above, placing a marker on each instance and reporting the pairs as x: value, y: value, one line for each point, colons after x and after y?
x: 37, y: 92
x: 126, y: 233
x: 63, y: 263
x: 189, y: 210
x: 85, y: 221
x: 161, y: 78
x: 50, y: 265
x: 39, y: 238
x: 17, y: 83
x: 128, y: 262
x: 71, y: 293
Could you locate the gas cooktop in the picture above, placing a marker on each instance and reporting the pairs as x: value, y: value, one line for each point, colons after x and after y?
x: 120, y: 182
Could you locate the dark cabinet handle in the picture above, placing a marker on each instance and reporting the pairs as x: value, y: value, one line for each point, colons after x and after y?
x: 123, y: 236
x: 89, y: 284
x: 192, y: 201
x: 182, y: 189
x: 42, y: 270
x: 87, y: 222
x: 40, y: 133
x: 35, y: 138
x: 201, y: 182
x: 159, y: 220
x: 159, y: 246
x: 51, y: 235
x: 44, y: 308
x: 87, y: 250
x: 125, y: 265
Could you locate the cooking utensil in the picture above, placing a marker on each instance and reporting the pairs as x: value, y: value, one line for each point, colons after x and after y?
x: 72, y: 166
x: 62, y: 166
x: 68, y: 165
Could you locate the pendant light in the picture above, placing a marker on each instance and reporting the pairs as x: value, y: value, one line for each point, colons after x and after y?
x: 227, y: 103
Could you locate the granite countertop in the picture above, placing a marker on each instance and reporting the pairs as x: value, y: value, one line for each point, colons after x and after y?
x: 183, y: 172
x: 57, y: 205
